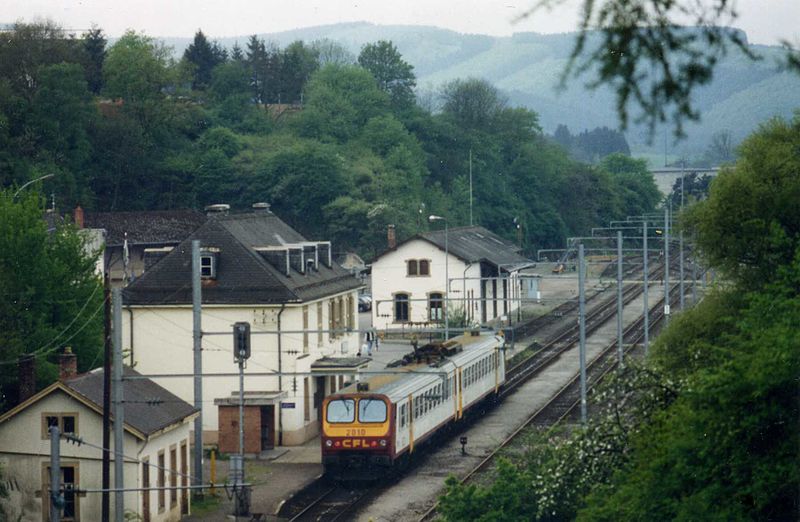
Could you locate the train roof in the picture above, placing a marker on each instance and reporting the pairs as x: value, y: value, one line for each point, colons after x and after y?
x: 410, y: 378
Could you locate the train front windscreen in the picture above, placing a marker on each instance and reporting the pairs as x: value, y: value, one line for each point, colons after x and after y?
x: 356, y: 424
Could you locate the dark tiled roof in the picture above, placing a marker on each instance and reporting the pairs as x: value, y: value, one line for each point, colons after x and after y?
x: 148, y: 406
x: 243, y: 276
x: 475, y: 244
x: 146, y: 227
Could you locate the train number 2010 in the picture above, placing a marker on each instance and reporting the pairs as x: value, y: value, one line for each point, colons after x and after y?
x: 356, y: 432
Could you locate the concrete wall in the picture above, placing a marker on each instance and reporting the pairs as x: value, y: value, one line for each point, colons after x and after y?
x: 162, y: 343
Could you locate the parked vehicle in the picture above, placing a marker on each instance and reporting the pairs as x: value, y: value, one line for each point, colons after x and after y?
x: 364, y: 303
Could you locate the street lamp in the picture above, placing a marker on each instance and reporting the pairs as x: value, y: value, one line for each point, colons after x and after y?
x: 431, y: 219
x: 32, y: 181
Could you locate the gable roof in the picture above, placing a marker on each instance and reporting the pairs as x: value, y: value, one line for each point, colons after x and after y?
x: 153, y: 227
x: 473, y: 245
x: 148, y: 407
x: 243, y: 276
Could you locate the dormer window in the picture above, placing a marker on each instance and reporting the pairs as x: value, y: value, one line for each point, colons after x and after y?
x: 208, y: 266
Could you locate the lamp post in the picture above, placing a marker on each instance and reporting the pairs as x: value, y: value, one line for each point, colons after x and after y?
x: 431, y: 219
x: 32, y: 181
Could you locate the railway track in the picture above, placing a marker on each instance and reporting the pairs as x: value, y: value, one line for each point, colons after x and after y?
x: 327, y: 502
x: 566, y: 401
x: 323, y: 501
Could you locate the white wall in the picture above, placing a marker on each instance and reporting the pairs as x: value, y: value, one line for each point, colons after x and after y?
x: 162, y: 343
x: 24, y: 454
x: 389, y: 277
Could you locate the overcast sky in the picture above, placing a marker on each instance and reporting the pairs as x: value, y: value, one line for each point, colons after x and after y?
x: 766, y: 21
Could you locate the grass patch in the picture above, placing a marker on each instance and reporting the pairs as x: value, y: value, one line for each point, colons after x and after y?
x: 205, y: 506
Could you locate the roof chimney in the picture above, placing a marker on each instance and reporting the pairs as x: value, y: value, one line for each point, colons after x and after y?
x: 261, y: 206
x: 218, y: 208
x: 27, y: 379
x: 67, y: 364
x: 77, y: 216
x: 390, y: 236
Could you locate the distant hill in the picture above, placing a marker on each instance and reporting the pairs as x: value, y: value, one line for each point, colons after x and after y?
x: 527, y: 67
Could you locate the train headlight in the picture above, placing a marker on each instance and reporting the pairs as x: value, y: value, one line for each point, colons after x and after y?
x: 329, y: 443
x: 383, y: 443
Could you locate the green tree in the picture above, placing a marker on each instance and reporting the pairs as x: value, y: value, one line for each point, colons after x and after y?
x: 136, y: 69
x: 332, y: 52
x: 301, y: 180
x: 339, y: 101
x: 203, y: 57
x: 28, y: 47
x: 94, y: 45
x: 297, y: 63
x: 394, y: 75
x: 51, y: 296
x: 635, y: 187
x: 473, y: 103
x: 60, y: 117
x: 750, y: 224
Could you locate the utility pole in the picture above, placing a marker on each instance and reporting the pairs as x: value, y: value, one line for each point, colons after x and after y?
x: 694, y: 276
x: 119, y: 412
x: 582, y: 328
x: 619, y: 298
x: 198, y: 368
x: 681, y: 241
x: 241, y: 352
x: 646, y: 292
x: 106, y: 467
x: 55, y: 475
x: 666, y: 263
x: 470, y: 187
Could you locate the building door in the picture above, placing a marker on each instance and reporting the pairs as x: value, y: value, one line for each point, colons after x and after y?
x: 483, y: 300
x: 494, y: 298
x: 267, y: 427
x: 319, y: 394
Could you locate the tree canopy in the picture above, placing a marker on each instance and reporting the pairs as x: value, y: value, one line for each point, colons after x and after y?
x: 51, y: 296
x: 709, y: 426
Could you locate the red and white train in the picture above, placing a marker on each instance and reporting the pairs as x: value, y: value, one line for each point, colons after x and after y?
x: 375, y: 425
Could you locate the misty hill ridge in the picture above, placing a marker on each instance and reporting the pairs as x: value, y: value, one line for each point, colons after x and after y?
x: 527, y: 67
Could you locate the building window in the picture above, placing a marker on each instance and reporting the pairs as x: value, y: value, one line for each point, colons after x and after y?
x: 306, y: 399
x: 173, y: 477
x: 305, y: 329
x: 412, y: 267
x: 319, y: 324
x: 436, y: 307
x: 70, y: 512
x: 184, y: 478
x: 424, y: 267
x: 162, y: 498
x: 208, y: 266
x: 401, y: 311
x: 351, y: 312
x: 66, y: 423
x: 146, y: 488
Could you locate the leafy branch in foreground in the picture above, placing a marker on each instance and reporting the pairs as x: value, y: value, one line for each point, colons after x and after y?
x: 655, y: 54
